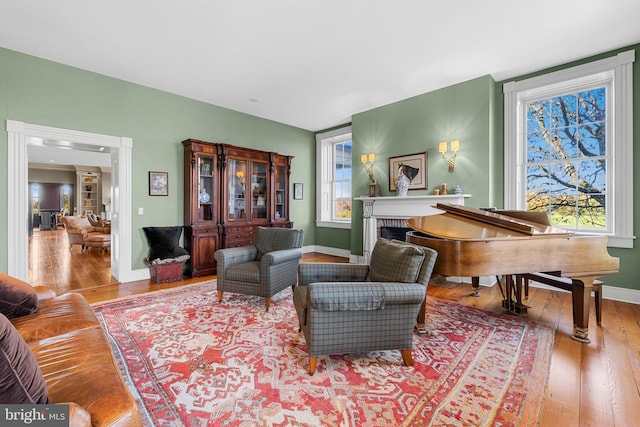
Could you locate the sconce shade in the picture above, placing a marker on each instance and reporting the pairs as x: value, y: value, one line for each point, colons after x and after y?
x: 451, y: 161
x: 371, y: 158
x: 367, y: 161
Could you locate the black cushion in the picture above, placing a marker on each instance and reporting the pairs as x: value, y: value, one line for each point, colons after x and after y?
x: 21, y: 381
x: 17, y: 298
x: 164, y: 242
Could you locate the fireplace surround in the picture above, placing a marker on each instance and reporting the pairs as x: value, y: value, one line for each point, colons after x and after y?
x: 392, y: 211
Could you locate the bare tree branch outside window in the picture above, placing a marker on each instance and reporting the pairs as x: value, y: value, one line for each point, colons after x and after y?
x: 566, y: 158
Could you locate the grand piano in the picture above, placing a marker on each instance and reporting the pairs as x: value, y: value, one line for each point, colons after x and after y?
x: 472, y: 243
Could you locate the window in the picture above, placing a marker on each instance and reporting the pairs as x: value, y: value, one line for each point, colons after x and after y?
x: 334, y: 178
x: 568, y: 147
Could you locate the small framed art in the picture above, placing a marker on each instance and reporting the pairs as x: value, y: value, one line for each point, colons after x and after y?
x: 297, y: 191
x: 158, y: 183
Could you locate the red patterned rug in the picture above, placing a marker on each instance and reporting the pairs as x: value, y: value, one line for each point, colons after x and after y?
x: 193, y: 361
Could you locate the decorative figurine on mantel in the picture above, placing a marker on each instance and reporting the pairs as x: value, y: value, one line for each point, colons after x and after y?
x: 406, y: 174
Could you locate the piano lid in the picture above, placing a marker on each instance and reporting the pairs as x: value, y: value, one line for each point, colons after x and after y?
x: 465, y: 223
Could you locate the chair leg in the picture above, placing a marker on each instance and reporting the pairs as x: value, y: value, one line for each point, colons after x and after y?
x: 267, y: 303
x: 219, y: 296
x: 312, y: 365
x: 407, y: 358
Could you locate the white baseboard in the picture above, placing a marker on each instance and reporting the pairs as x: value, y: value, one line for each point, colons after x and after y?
x: 345, y: 253
x: 608, y: 292
x: 141, y: 274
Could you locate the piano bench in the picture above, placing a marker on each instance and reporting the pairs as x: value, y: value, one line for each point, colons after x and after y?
x: 565, y: 283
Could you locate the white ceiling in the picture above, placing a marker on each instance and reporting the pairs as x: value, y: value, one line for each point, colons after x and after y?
x: 314, y: 63
x: 51, y: 152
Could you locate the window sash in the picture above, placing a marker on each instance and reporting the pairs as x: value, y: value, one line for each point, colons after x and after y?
x: 620, y: 187
x: 328, y: 178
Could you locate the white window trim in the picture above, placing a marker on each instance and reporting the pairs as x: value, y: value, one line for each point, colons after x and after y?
x: 621, y: 190
x: 322, y: 170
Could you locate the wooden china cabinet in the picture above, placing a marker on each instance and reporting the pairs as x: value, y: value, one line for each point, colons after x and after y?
x: 201, y: 213
x: 229, y: 192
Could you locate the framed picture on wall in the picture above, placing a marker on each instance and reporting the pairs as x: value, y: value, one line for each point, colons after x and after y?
x: 158, y: 183
x: 416, y: 163
x: 297, y: 191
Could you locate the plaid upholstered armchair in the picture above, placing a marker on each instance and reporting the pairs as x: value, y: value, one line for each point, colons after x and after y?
x: 357, y: 308
x: 264, y: 268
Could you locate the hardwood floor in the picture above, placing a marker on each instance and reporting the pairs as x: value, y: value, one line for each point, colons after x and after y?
x: 596, y: 384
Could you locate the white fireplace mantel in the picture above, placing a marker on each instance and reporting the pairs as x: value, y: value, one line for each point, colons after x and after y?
x: 398, y: 208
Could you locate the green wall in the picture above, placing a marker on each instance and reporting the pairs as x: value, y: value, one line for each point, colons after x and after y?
x: 418, y: 124
x: 41, y: 92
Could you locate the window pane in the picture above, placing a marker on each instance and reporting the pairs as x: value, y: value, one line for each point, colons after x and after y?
x: 593, y: 105
x: 592, y: 140
x: 566, y: 158
x: 591, y: 212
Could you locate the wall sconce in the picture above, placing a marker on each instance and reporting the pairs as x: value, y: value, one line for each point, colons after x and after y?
x: 451, y: 161
x: 367, y: 161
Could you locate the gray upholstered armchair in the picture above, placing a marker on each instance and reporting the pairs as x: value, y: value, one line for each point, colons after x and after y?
x: 356, y: 308
x: 264, y: 268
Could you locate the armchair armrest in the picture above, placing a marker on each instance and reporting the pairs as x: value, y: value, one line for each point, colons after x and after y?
x: 312, y: 272
x: 234, y: 256
x: 44, y: 292
x: 80, y: 231
x: 281, y: 256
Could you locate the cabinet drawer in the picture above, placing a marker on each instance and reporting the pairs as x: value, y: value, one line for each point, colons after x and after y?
x: 235, y: 243
x: 240, y: 236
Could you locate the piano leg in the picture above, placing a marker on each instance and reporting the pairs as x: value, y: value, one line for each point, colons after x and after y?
x: 581, y: 297
x: 513, y: 294
x: 475, y: 284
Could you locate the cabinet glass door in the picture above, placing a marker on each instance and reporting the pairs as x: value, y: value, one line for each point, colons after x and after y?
x: 236, y: 177
x: 205, y: 188
x: 258, y: 190
x: 281, y: 199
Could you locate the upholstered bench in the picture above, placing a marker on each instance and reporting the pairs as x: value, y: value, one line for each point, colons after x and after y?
x: 102, y: 241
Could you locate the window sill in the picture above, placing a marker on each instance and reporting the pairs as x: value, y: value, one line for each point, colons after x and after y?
x: 334, y: 224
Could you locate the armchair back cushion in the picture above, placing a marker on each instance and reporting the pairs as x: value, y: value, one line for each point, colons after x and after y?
x: 269, y: 239
x: 77, y: 223
x: 395, y: 262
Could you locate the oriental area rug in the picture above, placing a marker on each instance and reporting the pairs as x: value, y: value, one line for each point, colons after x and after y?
x: 190, y: 360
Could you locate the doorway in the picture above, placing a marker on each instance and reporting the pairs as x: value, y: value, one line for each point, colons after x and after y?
x: 19, y: 135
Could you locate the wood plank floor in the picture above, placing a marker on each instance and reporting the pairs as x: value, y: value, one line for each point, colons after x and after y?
x: 596, y: 384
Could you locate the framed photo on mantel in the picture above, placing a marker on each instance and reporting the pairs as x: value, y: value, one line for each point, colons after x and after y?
x: 414, y: 161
